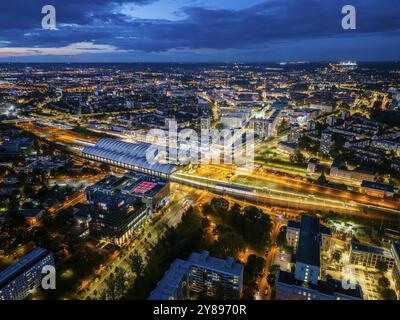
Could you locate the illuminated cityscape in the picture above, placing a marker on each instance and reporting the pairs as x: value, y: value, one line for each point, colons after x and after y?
x: 197, y: 179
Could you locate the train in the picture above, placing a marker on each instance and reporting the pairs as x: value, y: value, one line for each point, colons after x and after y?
x: 234, y: 189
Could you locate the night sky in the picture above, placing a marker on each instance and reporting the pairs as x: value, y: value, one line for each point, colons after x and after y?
x: 199, y: 30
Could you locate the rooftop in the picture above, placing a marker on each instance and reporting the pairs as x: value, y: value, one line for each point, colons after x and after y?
x: 228, y: 265
x: 377, y: 186
x: 308, y: 250
x: 371, y: 249
x: 131, y: 183
x: 21, y: 265
x: 329, y: 286
x: 322, y: 229
x: 133, y: 154
x: 167, y: 286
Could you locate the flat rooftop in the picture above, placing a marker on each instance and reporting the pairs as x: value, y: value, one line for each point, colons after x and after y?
x: 322, y: 229
x: 167, y: 286
x: 377, y: 186
x: 22, y: 265
x: 328, y: 286
x: 131, y: 183
x: 308, y: 250
x: 228, y: 265
x: 371, y: 249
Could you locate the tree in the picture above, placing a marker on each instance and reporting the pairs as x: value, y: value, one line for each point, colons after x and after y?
x: 298, y: 157
x: 207, y: 209
x: 28, y: 191
x: 322, y: 179
x: 281, y: 239
x: 337, y: 255
x: 104, y: 167
x: 255, y: 266
x: 388, y: 294
x: 219, y: 205
x: 22, y: 177
x: 136, y: 263
x: 116, y: 285
x: 384, y: 282
x: 382, y: 266
x: 205, y: 223
x: 273, y: 271
x: 228, y: 244
x: 219, y: 126
x: 283, y: 126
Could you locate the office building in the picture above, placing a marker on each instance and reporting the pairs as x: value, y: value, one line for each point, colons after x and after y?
x: 114, y: 218
x: 17, y: 147
x: 152, y: 191
x: 287, y: 147
x: 274, y: 120
x: 20, y: 279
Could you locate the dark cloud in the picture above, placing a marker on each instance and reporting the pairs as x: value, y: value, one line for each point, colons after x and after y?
x: 252, y: 28
x: 22, y: 14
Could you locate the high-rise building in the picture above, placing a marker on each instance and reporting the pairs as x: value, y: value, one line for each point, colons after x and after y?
x: 326, y: 142
x: 307, y: 267
x: 310, y: 125
x: 115, y: 217
x: 169, y: 122
x: 274, y: 120
x: 17, y: 281
x: 294, y: 132
x: 152, y: 191
x: 345, y: 115
x: 200, y: 274
x: 332, y: 120
x: 261, y: 127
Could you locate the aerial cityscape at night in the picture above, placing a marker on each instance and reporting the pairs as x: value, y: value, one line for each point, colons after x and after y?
x: 179, y: 161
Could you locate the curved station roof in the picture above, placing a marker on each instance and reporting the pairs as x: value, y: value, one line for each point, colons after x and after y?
x: 127, y: 154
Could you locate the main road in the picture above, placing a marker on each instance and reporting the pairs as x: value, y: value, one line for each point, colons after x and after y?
x: 139, y: 246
